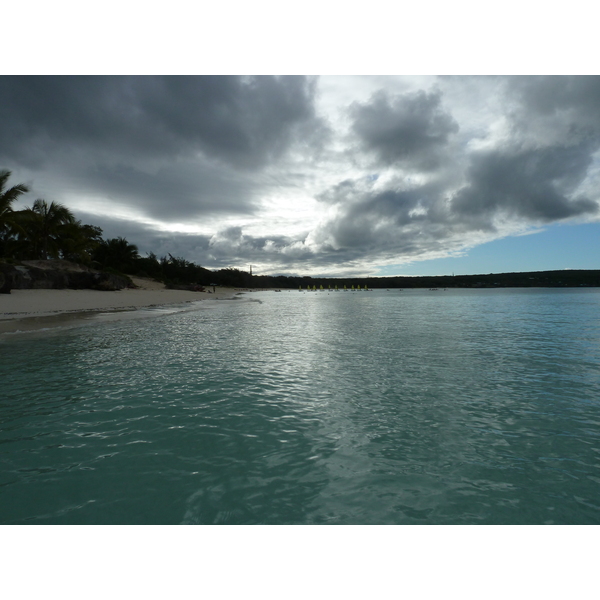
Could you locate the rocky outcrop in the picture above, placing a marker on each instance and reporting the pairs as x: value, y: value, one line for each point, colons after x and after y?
x: 57, y: 274
x: 4, y: 282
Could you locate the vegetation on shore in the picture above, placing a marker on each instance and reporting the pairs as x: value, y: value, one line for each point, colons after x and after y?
x: 44, y: 231
x: 51, y: 231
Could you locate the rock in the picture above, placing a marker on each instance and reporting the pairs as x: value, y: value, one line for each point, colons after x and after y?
x: 57, y: 274
x: 4, y: 284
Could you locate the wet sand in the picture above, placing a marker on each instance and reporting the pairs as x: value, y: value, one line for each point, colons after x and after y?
x: 23, y: 310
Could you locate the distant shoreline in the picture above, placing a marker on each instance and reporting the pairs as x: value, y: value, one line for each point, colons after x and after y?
x: 557, y: 278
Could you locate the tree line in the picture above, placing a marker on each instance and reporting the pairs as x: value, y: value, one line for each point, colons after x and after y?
x: 50, y: 231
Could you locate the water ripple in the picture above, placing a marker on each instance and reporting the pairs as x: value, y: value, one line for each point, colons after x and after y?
x: 467, y: 407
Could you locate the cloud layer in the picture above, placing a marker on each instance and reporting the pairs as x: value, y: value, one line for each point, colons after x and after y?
x: 271, y: 171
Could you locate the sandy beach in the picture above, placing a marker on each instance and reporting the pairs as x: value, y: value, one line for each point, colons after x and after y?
x: 34, y: 309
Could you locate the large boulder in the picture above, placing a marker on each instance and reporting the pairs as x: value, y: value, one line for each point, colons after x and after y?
x: 4, y: 283
x: 57, y: 274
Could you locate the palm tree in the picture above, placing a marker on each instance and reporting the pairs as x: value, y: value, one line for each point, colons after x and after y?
x: 78, y: 242
x: 45, y: 225
x: 7, y: 197
x: 117, y: 253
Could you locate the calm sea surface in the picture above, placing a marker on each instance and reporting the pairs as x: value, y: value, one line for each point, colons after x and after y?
x: 382, y: 407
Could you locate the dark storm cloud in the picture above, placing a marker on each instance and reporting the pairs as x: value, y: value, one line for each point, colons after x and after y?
x: 576, y: 96
x: 244, y: 121
x: 533, y: 184
x: 361, y: 199
x: 534, y: 176
x: 395, y: 220
x: 562, y: 111
x: 177, y: 192
x: 167, y: 148
x: 410, y: 128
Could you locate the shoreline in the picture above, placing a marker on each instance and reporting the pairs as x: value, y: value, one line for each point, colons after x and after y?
x: 34, y: 309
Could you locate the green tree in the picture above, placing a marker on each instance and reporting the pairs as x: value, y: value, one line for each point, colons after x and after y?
x: 46, y: 226
x: 117, y: 253
x: 149, y: 266
x: 8, y: 224
x: 178, y: 270
x: 78, y: 242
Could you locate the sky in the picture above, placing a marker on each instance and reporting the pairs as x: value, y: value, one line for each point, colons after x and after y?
x: 323, y: 175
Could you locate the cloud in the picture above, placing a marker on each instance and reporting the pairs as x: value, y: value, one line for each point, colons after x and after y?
x: 536, y: 173
x: 574, y: 98
x: 397, y: 219
x: 182, y: 191
x: 246, y: 122
x: 169, y: 149
x: 408, y: 129
x: 430, y: 203
x: 537, y: 185
x: 231, y: 171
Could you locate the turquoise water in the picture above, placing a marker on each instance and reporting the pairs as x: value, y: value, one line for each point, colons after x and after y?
x: 383, y: 407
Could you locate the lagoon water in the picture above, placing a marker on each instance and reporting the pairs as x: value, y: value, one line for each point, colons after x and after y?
x: 382, y: 407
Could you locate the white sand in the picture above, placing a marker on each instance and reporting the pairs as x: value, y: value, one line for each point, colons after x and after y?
x: 34, y: 305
